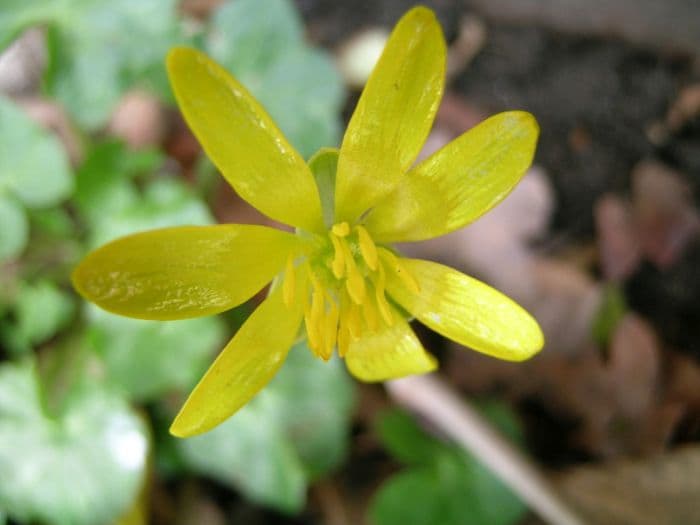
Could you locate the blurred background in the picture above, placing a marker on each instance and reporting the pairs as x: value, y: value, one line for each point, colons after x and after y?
x: 600, y: 242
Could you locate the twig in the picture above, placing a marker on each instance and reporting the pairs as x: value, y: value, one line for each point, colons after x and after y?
x: 429, y: 397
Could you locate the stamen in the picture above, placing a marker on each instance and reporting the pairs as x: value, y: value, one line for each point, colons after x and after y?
x: 367, y: 248
x: 354, y: 323
x: 289, y: 285
x: 355, y: 283
x: 314, y: 327
x: 343, y: 338
x: 370, y: 315
x: 349, y: 319
x: 330, y: 330
x: 311, y: 332
x: 338, y: 265
x: 342, y: 229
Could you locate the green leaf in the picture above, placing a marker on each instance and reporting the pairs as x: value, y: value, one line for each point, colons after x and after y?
x: 611, y: 311
x: 249, y: 36
x: 314, y: 403
x: 164, y: 202
x: 262, y: 44
x: 100, y: 49
x: 251, y: 452
x: 16, y: 15
x: 41, y: 310
x: 14, y: 232
x: 406, y: 441
x: 54, y: 222
x: 33, y: 165
x: 444, y: 484
x: 145, y: 358
x: 148, y: 359
x: 103, y: 182
x: 296, y: 429
x: 303, y: 93
x: 83, y: 467
x: 413, y: 497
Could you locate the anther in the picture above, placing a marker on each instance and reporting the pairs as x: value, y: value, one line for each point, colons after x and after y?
x: 354, y: 283
x: 342, y: 229
x: 367, y: 248
x: 330, y: 330
x: 338, y: 264
x: 289, y: 284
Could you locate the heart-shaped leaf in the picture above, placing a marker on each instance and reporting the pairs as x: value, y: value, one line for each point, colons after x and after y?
x: 443, y: 484
x: 83, y: 466
x: 33, y: 164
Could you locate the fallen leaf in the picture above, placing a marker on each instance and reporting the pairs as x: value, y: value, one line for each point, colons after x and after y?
x: 661, y: 490
x: 634, y: 366
x: 138, y: 120
x: 664, y: 212
x: 618, y: 246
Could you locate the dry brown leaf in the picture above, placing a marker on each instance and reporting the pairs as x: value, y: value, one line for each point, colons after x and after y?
x: 565, y: 304
x: 634, y: 366
x: 685, y: 107
x: 618, y: 246
x: 664, y: 212
x: 658, y: 491
x: 139, y: 120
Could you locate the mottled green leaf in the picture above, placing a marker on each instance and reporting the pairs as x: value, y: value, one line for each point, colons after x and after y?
x: 145, y: 358
x: 99, y: 49
x: 83, y: 466
x: 293, y: 431
x: 303, y: 93
x: 249, y: 35
x: 251, y: 453
x: 148, y: 359
x: 314, y: 401
x: 40, y: 311
x: 164, y: 202
x: 103, y: 181
x: 33, y: 165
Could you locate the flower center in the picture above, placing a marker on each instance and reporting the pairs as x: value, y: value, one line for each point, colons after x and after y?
x: 345, y: 298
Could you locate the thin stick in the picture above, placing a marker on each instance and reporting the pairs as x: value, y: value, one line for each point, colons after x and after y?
x: 429, y: 397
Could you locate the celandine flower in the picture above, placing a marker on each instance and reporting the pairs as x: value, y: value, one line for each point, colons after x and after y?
x: 336, y: 274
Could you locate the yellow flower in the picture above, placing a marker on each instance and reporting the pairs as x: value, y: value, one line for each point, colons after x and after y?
x: 336, y: 274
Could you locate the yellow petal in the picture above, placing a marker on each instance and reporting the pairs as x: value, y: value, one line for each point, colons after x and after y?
x: 393, y: 116
x: 182, y: 272
x: 243, y: 368
x: 243, y: 141
x: 460, y: 182
x: 467, y: 311
x: 389, y: 353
